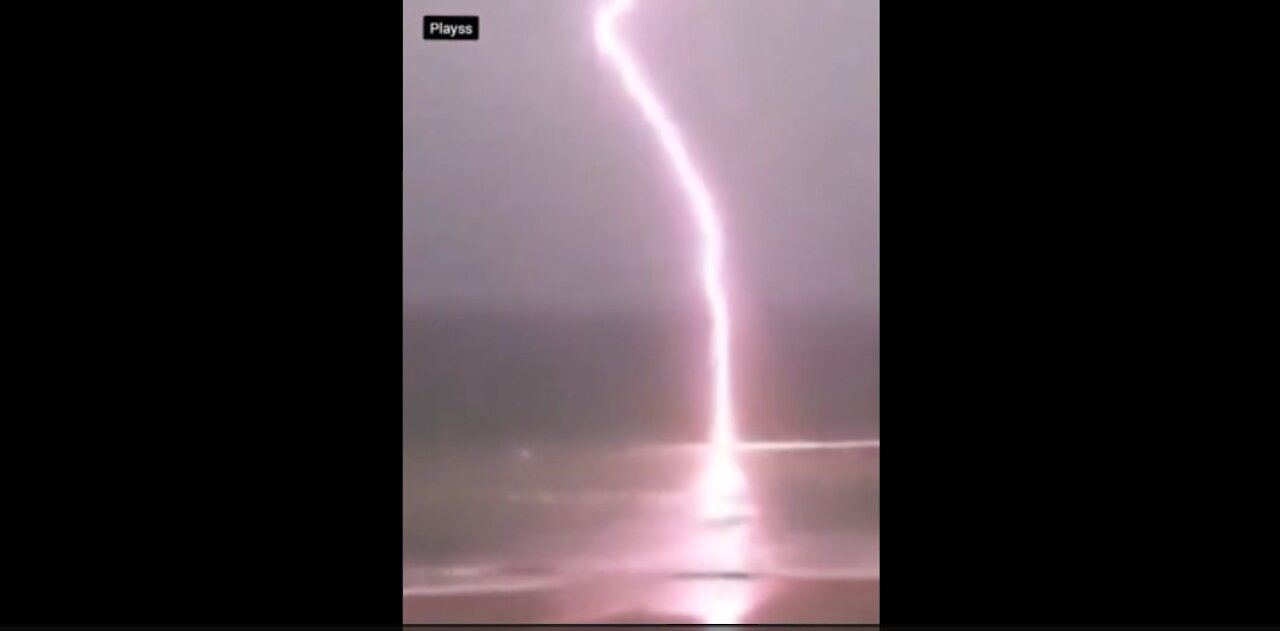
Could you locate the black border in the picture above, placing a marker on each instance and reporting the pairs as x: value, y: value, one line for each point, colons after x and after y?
x: 216, y: 437
x: 1071, y: 416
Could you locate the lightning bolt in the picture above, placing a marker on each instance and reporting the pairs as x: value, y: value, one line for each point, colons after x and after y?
x: 725, y: 481
x: 724, y: 490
